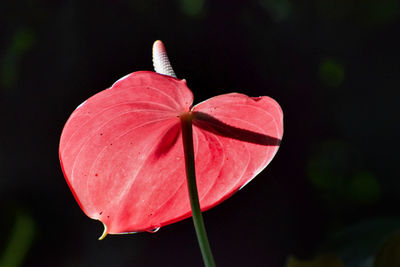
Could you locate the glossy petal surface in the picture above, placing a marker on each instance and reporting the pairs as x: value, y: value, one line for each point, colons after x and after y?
x: 122, y: 154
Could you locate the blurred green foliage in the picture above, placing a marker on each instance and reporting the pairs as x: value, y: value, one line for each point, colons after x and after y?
x: 279, y: 10
x: 369, y: 243
x: 389, y: 253
x: 367, y: 12
x: 364, y: 188
x: 336, y: 171
x: 324, y: 260
x: 192, y: 7
x: 329, y: 197
x: 20, y: 240
x: 21, y: 41
x: 331, y: 73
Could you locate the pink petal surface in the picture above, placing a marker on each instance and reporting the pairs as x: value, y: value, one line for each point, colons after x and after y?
x: 122, y: 154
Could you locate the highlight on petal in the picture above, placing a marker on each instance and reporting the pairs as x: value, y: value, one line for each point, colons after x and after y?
x: 122, y: 154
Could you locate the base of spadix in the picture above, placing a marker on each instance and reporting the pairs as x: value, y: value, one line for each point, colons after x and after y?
x: 186, y: 117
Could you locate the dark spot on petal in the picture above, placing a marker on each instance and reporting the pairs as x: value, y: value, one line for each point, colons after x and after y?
x: 101, y: 212
x: 96, y: 174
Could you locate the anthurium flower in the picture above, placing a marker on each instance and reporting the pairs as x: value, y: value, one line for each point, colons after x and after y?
x: 122, y: 155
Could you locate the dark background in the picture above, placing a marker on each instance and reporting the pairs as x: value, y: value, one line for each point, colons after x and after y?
x: 333, y: 65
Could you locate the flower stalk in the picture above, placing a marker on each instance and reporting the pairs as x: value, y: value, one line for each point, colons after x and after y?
x: 187, y: 137
x: 163, y: 66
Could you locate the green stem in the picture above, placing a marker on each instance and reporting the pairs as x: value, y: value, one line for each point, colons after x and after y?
x: 187, y: 137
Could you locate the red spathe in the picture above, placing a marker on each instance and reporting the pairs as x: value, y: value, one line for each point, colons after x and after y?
x: 122, y: 154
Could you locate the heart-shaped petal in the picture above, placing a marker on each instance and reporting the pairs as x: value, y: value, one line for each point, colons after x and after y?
x: 122, y: 154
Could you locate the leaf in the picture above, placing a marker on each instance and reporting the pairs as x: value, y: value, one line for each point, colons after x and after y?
x: 357, y: 244
x: 122, y: 154
x: 389, y: 253
x: 323, y: 260
x: 21, y: 238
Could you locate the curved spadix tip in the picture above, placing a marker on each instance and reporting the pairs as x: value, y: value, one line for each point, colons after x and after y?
x: 160, y: 60
x: 158, y: 46
x: 104, y: 232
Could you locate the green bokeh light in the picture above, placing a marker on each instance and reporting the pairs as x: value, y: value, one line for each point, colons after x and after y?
x: 331, y: 73
x: 323, y: 260
x: 364, y: 188
x: 20, y: 240
x: 279, y: 10
x: 389, y: 253
x: 192, y: 8
x: 22, y: 40
x: 337, y: 173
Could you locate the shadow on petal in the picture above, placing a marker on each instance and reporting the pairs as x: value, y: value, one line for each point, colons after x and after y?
x: 167, y: 141
x: 215, y: 126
